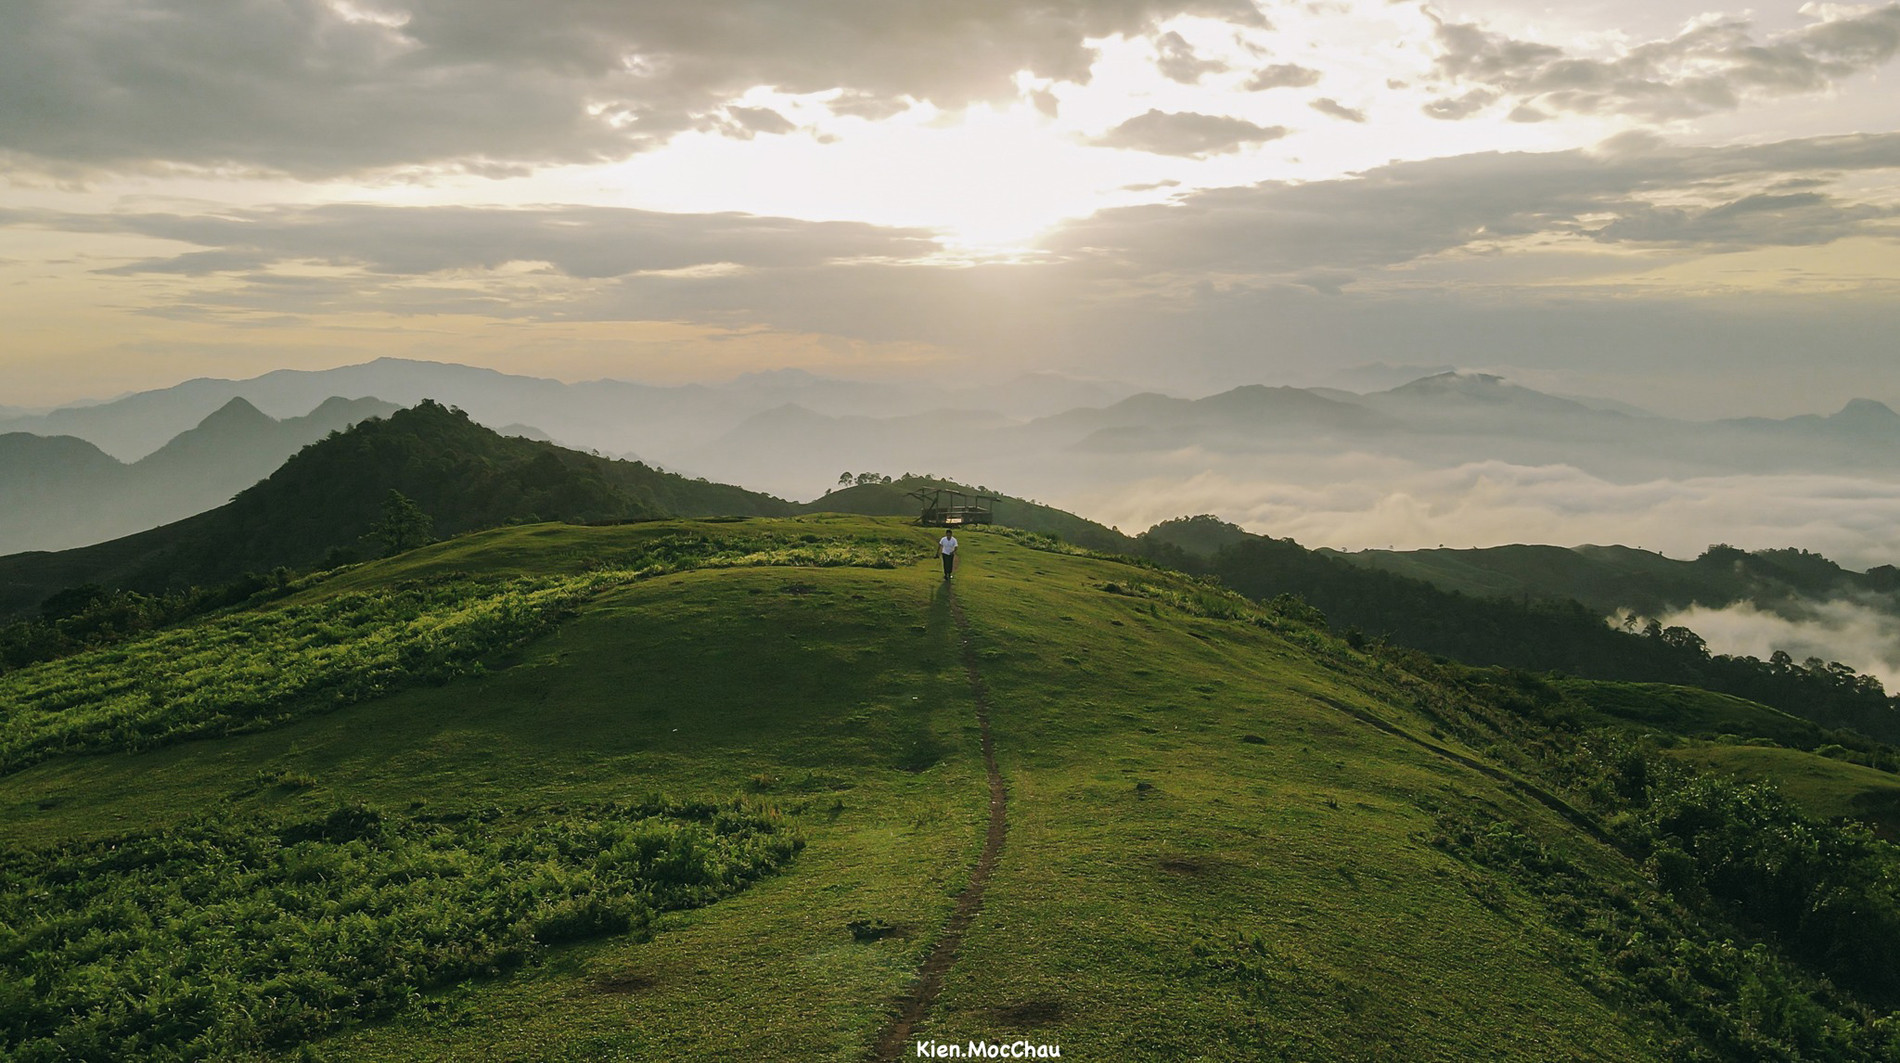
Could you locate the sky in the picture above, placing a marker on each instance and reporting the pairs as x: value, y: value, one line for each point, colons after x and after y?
x: 1690, y: 208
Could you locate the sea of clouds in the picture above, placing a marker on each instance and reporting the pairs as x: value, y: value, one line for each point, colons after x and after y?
x: 1864, y: 638
x: 1357, y: 501
x: 1351, y: 502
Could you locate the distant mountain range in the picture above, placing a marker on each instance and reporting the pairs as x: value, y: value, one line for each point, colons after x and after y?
x: 612, y: 416
x: 1531, y: 607
x: 318, y: 507
x: 64, y: 491
x: 790, y: 433
x: 1442, y: 421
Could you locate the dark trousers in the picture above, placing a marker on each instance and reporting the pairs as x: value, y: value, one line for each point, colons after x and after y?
x: 949, y: 562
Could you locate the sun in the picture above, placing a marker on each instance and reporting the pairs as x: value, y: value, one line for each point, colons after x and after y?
x: 987, y: 179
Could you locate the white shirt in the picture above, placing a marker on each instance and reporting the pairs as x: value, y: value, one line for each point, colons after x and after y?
x: 947, y: 544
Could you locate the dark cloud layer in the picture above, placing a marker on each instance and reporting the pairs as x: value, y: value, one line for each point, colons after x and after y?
x: 1177, y: 60
x: 584, y: 242
x: 1334, y: 109
x: 1406, y: 211
x: 1283, y: 76
x: 1187, y: 134
x: 1632, y: 190
x: 318, y: 88
x: 1710, y: 66
x: 1218, y: 279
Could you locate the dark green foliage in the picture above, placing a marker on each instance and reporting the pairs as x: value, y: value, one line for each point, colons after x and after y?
x: 1829, y: 893
x: 329, y: 494
x: 1619, y: 578
x: 1776, y: 938
x: 72, y: 602
x: 1547, y: 636
x: 227, y: 937
x: 248, y: 670
x: 89, y: 617
x: 1717, y: 998
x: 404, y: 526
x: 886, y: 497
x: 1202, y: 536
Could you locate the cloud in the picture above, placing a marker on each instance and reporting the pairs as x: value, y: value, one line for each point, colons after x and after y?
x: 1358, y: 501
x: 1631, y: 191
x: 1788, y: 219
x: 1324, y: 281
x: 1712, y: 65
x: 1859, y: 635
x: 1176, y: 60
x: 1283, y: 76
x: 1239, y: 285
x: 585, y: 242
x: 1329, y: 106
x: 1455, y: 108
x: 197, y: 263
x: 1407, y: 211
x: 1187, y: 134
x: 321, y: 87
x: 760, y: 120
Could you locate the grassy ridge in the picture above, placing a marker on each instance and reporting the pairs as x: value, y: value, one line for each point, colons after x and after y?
x: 1231, y: 835
x: 1212, y: 861
x: 336, y: 646
x: 696, y: 683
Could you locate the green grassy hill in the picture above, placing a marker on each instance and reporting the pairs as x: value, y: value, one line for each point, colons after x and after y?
x: 1829, y: 787
x: 893, y: 500
x: 1369, y: 604
x: 322, y: 503
x: 718, y: 790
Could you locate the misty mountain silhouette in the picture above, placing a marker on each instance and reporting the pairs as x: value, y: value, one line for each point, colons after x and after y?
x: 321, y: 502
x: 613, y: 416
x: 66, y: 492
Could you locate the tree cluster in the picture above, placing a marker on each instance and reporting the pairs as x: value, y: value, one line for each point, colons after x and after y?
x: 1561, y: 636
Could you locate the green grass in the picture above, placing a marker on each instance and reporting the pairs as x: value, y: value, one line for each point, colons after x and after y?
x: 1754, y: 743
x: 1149, y: 837
x: 353, y: 638
x: 1826, y: 787
x: 1690, y: 711
x: 1208, y: 857
x: 247, y: 935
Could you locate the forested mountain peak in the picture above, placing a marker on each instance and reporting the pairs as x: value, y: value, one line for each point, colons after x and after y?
x: 322, y: 502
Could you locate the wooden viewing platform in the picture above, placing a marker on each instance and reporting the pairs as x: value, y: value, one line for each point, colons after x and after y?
x: 949, y: 508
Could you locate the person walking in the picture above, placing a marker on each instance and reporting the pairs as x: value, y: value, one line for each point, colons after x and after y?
x: 947, y: 546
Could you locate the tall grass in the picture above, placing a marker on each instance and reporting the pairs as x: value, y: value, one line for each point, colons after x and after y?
x: 254, y: 669
x: 226, y: 937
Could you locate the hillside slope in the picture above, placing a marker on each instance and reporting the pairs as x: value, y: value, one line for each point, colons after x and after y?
x: 64, y: 492
x: 1545, y: 635
x: 324, y: 500
x: 893, y: 500
x: 1225, y: 835
x: 1615, y: 579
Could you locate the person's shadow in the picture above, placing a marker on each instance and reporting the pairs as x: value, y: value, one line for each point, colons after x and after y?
x: 941, y: 621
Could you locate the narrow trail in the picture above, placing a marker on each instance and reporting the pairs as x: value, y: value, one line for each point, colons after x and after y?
x: 1531, y: 790
x: 890, y: 1044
